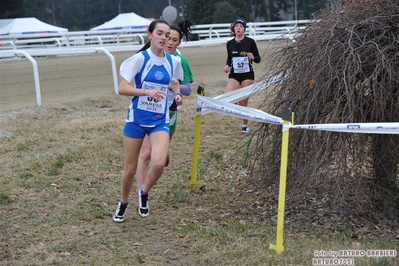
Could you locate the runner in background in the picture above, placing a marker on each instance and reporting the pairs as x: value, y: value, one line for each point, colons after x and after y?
x: 177, y: 33
x: 241, y: 52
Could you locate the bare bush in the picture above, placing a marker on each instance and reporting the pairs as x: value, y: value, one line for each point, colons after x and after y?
x: 343, y: 68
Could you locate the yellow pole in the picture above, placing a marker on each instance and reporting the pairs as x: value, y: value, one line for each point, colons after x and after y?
x: 279, y: 247
x: 194, y: 167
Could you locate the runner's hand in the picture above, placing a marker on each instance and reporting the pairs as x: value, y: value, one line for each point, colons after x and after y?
x: 226, y: 69
x: 178, y: 99
x: 251, y: 56
x: 156, y: 94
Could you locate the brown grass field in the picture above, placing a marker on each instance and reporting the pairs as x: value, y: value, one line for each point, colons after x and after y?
x: 60, y: 171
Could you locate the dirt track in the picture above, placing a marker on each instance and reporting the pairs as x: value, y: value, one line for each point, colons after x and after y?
x: 67, y: 79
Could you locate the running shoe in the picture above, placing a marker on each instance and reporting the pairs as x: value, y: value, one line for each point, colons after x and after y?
x: 245, y: 129
x: 120, y: 213
x: 144, y: 203
x: 201, y: 90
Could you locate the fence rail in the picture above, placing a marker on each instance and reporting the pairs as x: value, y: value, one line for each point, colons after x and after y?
x: 107, y: 42
x: 203, y: 32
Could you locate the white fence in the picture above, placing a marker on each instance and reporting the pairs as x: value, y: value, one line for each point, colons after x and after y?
x: 71, y: 39
x: 90, y: 42
x: 123, y: 38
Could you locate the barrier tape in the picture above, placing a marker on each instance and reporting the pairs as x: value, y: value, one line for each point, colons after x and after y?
x: 236, y: 111
x: 222, y: 104
x: 372, y: 128
x: 242, y: 112
x: 242, y: 93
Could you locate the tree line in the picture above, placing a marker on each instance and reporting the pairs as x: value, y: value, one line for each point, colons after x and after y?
x: 77, y: 15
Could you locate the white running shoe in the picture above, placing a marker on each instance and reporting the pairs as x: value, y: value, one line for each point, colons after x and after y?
x: 144, y: 203
x: 120, y: 213
x: 245, y: 129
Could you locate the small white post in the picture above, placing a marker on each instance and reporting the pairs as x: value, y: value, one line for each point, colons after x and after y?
x: 35, y: 74
x: 113, y: 65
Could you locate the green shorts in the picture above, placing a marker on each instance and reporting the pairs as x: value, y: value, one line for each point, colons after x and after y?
x: 172, y: 122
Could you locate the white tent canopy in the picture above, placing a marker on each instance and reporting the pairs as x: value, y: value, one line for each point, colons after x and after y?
x: 17, y: 26
x: 125, y: 21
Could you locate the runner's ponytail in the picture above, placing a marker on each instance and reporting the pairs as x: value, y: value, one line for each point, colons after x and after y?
x: 184, y: 28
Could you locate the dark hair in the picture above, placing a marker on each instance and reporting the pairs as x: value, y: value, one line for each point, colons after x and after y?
x: 183, y: 27
x: 151, y: 28
x: 232, y: 32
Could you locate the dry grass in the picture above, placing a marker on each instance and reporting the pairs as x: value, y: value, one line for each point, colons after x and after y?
x: 60, y: 184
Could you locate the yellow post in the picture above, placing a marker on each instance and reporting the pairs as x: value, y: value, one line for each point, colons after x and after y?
x: 194, y: 167
x: 279, y: 247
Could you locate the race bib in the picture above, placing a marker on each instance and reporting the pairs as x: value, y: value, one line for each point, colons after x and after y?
x: 149, y: 104
x: 241, y: 64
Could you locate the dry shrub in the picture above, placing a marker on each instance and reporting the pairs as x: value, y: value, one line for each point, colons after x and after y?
x: 343, y: 68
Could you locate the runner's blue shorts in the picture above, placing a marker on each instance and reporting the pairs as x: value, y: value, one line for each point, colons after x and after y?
x: 137, y: 131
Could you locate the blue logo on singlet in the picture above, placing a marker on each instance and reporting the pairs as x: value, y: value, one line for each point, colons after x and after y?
x: 159, y: 75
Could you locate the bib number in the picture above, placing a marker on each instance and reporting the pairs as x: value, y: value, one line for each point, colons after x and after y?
x: 241, y: 64
x: 148, y: 103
